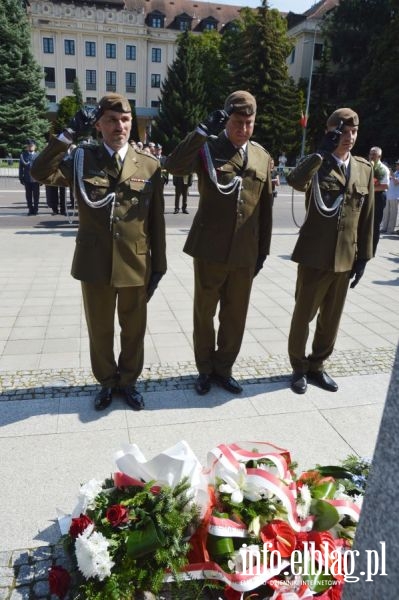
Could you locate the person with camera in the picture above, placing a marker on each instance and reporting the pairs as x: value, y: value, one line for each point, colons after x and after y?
x: 120, y: 253
x: 230, y: 235
x: 334, y: 244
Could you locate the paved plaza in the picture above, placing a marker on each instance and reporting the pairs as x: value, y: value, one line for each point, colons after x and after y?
x: 52, y: 440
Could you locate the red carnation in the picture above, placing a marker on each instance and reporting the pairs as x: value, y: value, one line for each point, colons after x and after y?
x: 59, y: 581
x: 78, y: 525
x: 117, y: 514
x: 280, y: 537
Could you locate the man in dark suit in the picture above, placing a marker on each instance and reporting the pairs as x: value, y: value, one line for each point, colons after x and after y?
x: 181, y: 190
x: 120, y: 245
x: 230, y: 235
x: 32, y: 187
x: 335, y: 242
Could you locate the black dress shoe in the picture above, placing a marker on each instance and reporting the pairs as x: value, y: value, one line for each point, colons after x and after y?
x: 323, y: 380
x: 103, y: 399
x: 132, y: 397
x: 299, y: 383
x: 176, y: 211
x: 228, y: 383
x: 185, y: 211
x: 203, y: 384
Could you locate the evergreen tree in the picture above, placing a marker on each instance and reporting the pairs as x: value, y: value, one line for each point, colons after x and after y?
x: 67, y: 107
x: 357, y: 32
x: 77, y: 92
x: 380, y: 91
x: 213, y: 67
x: 22, y: 99
x: 261, y: 69
x: 183, y: 102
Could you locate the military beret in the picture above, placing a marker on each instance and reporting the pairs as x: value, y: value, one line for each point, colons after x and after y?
x: 240, y: 102
x: 115, y: 102
x: 347, y: 115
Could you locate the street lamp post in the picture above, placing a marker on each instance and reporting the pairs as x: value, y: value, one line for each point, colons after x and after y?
x: 308, y: 95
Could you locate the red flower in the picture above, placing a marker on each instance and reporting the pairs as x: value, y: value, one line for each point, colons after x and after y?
x: 280, y: 537
x: 231, y: 594
x: 117, y: 514
x: 78, y: 525
x: 59, y: 581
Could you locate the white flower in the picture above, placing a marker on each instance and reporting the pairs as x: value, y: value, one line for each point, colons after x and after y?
x: 91, y: 549
x: 303, y: 505
x: 87, y: 495
x: 238, y: 486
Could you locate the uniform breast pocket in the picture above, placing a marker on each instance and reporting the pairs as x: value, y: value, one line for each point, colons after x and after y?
x: 96, y: 187
x: 359, y: 196
x: 254, y: 181
x: 139, y: 195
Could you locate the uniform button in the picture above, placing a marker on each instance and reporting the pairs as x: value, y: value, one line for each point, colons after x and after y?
x: 240, y: 214
x: 116, y: 219
x: 117, y: 203
x: 116, y: 235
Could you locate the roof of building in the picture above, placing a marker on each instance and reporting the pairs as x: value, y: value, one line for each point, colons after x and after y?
x: 319, y: 9
x: 196, y: 9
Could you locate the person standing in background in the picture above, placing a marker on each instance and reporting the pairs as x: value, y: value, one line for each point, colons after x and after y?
x: 32, y: 187
x: 381, y: 183
x: 388, y: 224
x: 181, y: 190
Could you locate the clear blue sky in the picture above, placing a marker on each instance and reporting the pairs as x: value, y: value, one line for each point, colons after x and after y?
x: 296, y: 6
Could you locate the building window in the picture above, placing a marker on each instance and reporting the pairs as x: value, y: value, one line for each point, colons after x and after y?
x: 209, y: 26
x: 156, y: 55
x: 130, y: 52
x: 130, y: 79
x: 155, y: 103
x: 291, y: 57
x: 155, y: 81
x: 184, y: 26
x: 48, y: 45
x: 90, y: 48
x: 91, y: 79
x: 91, y: 100
x: 69, y: 46
x: 110, y: 50
x: 51, y: 99
x: 156, y: 22
x: 110, y: 81
x: 318, y: 51
x: 70, y: 76
x: 49, y: 77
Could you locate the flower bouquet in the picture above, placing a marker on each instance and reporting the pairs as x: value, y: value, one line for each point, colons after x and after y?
x: 244, y: 523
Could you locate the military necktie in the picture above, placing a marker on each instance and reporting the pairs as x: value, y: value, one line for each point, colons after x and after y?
x: 118, y: 162
x: 243, y: 156
x: 344, y: 170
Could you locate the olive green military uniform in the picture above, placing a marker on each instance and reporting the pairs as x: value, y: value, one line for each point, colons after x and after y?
x: 330, y: 240
x: 229, y: 233
x: 117, y: 247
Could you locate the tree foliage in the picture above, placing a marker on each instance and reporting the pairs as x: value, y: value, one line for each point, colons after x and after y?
x: 261, y: 69
x: 183, y: 101
x: 361, y: 36
x: 22, y: 99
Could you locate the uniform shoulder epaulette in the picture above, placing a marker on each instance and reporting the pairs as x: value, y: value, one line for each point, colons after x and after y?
x: 362, y: 160
x: 259, y: 146
x: 146, y: 154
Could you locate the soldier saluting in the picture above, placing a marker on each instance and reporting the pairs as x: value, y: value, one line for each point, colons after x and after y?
x: 334, y: 244
x: 120, y: 245
x: 230, y: 235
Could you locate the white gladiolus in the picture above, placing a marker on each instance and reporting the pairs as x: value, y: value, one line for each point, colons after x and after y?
x: 87, y: 495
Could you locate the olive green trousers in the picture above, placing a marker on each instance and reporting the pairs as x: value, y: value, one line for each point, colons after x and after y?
x: 321, y: 292
x: 100, y: 303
